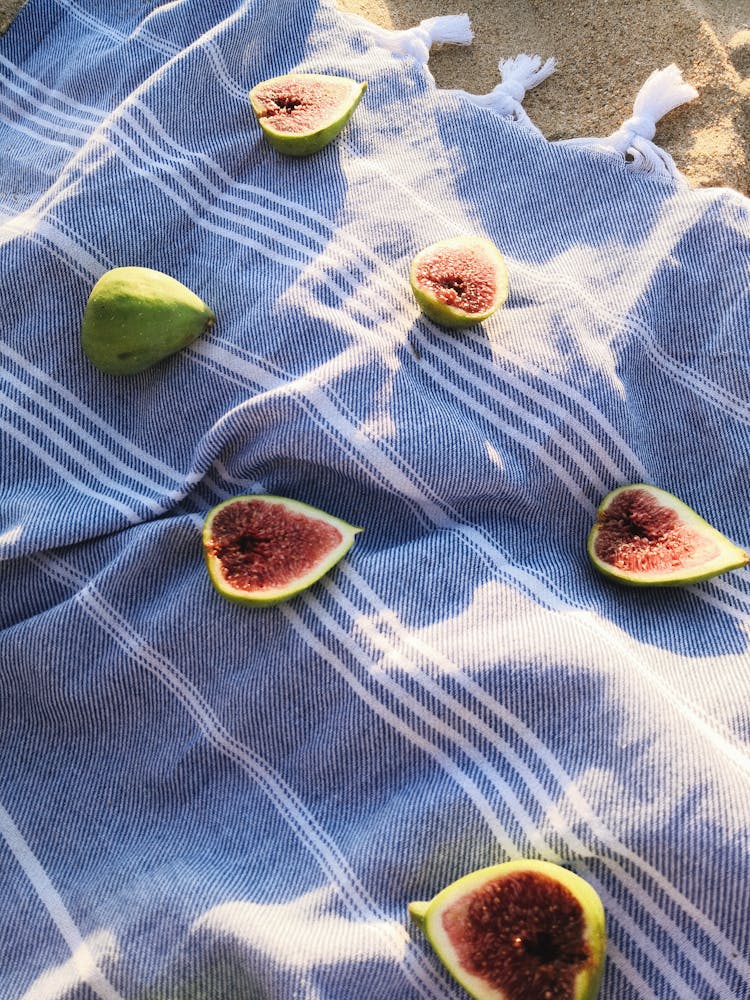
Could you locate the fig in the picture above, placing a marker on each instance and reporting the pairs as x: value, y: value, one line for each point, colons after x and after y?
x: 520, y: 930
x: 459, y: 282
x: 645, y: 536
x: 300, y: 113
x: 264, y: 549
x: 135, y: 317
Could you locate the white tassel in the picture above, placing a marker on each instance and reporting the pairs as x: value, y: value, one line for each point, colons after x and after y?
x: 517, y: 76
x: 662, y: 92
x: 453, y: 29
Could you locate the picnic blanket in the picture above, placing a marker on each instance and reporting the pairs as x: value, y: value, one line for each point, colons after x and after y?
x: 205, y: 800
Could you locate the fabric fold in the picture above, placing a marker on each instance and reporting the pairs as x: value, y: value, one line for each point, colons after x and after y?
x: 203, y: 799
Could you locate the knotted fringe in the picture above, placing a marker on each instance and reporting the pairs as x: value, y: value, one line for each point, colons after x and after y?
x: 453, y: 29
x: 662, y: 92
x: 517, y: 75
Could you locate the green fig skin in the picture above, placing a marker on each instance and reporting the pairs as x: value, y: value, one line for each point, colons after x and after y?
x: 266, y: 596
x: 137, y: 316
x: 712, y: 552
x: 332, y: 99
x: 433, y: 264
x: 428, y: 916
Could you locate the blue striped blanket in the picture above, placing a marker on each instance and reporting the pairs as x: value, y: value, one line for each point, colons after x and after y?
x: 204, y: 800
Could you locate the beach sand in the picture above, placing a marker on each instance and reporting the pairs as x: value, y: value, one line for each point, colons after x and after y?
x: 604, y: 51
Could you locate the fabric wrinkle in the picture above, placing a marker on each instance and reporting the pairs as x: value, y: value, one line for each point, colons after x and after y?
x: 204, y: 799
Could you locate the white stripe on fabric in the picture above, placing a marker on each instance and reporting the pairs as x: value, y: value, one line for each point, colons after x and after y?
x: 94, y: 115
x: 719, y: 397
x: 46, y: 444
x: 81, y: 955
x: 55, y: 141
x: 83, y: 417
x: 107, y: 31
x: 289, y: 806
x: 617, y: 915
x: 617, y: 956
x: 57, y: 124
x: 440, y: 725
x: 38, y: 230
x: 527, y: 777
x: 551, y: 407
x: 64, y: 474
x: 698, y: 383
x: 735, y: 753
x: 123, y: 633
x: 76, y: 442
x: 393, y: 473
x: 692, y: 380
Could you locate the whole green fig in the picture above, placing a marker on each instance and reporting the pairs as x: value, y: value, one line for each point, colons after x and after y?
x: 136, y: 316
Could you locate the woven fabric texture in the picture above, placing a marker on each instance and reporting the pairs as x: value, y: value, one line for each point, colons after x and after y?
x: 205, y: 800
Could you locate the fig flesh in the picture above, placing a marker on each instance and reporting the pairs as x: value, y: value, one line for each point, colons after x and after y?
x: 264, y: 549
x: 300, y: 113
x: 136, y: 317
x: 521, y: 930
x: 645, y: 536
x: 459, y: 282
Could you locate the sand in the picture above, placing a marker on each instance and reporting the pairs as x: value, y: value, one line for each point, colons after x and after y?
x: 604, y: 51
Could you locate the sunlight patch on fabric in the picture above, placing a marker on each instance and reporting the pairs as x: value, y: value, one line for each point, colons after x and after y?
x: 83, y: 965
x: 11, y: 535
x: 59, y: 982
x: 305, y: 932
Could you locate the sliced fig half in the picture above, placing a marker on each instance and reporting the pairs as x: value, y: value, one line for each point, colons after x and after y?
x: 459, y: 282
x: 645, y: 536
x: 264, y: 549
x: 521, y: 930
x: 300, y: 113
